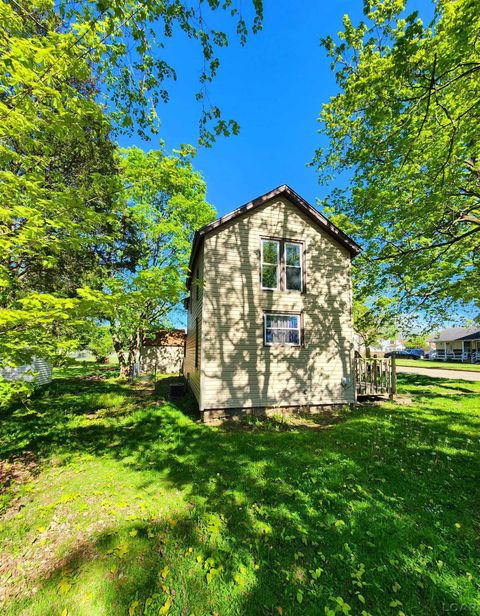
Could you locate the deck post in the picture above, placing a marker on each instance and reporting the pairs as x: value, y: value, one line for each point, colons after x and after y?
x: 393, y: 382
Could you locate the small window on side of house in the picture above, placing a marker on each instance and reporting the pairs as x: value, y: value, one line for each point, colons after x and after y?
x: 197, y: 283
x: 282, y: 329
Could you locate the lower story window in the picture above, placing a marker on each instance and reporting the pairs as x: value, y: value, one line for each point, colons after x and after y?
x: 282, y: 329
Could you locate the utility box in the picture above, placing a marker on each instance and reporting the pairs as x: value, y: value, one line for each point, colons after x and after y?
x: 177, y: 390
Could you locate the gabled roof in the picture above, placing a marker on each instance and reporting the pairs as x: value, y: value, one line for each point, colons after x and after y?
x: 457, y: 333
x: 282, y: 191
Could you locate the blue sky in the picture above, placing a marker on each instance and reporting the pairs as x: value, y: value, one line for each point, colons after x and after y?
x: 274, y: 87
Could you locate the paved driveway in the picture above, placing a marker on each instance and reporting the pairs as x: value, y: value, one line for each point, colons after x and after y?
x: 438, y: 373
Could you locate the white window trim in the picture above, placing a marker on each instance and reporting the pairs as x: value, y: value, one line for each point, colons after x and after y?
x: 277, y: 242
x: 300, y: 267
x: 289, y: 329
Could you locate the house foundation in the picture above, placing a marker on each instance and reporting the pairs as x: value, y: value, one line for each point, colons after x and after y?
x: 211, y: 416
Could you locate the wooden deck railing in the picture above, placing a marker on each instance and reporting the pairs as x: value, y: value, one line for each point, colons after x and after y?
x: 375, y: 376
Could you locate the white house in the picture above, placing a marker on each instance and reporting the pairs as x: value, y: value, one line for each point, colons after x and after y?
x: 270, y: 323
x: 456, y: 343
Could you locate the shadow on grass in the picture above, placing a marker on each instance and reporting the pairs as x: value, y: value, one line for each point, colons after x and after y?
x: 382, y: 488
x: 433, y: 385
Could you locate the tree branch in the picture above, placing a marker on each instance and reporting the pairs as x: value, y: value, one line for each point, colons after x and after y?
x: 402, y: 253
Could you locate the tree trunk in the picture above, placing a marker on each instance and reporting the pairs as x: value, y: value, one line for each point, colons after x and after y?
x: 122, y: 360
x: 134, y: 352
x: 131, y: 360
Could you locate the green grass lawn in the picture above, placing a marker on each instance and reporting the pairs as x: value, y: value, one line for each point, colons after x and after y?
x: 117, y: 502
x: 446, y: 365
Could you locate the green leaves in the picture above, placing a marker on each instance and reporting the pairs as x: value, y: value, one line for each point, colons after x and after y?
x: 68, y: 219
x: 211, y: 573
x: 164, y: 572
x: 340, y: 606
x: 405, y: 126
x: 316, y: 573
x: 58, y: 175
x: 134, y: 83
x: 164, y: 202
x: 241, y: 577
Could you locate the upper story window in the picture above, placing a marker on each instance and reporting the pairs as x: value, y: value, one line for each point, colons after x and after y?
x: 281, y: 265
x: 293, y: 266
x: 270, y: 264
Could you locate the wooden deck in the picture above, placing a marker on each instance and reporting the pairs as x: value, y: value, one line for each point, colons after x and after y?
x: 375, y: 376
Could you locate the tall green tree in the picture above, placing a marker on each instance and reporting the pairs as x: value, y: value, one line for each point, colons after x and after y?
x: 165, y: 203
x: 58, y: 181
x: 372, y: 322
x: 62, y: 214
x: 404, y: 133
x: 57, y: 160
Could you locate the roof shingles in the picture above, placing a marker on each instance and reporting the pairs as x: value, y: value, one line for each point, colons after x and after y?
x: 457, y: 333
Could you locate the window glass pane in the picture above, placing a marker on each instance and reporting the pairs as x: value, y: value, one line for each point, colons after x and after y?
x: 269, y: 277
x: 293, y: 337
x: 273, y: 321
x: 293, y: 321
x: 270, y: 252
x: 280, y: 321
x: 293, y: 278
x: 283, y: 321
x: 279, y: 336
x: 282, y: 329
x: 282, y: 336
x: 292, y: 254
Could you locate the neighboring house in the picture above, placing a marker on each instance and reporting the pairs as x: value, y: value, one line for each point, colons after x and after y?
x: 384, y: 346
x: 163, y: 354
x: 38, y: 371
x: 270, y: 310
x: 381, y: 347
x: 460, y: 343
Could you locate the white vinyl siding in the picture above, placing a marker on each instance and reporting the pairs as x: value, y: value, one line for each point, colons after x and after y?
x: 238, y: 369
x: 192, y: 364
